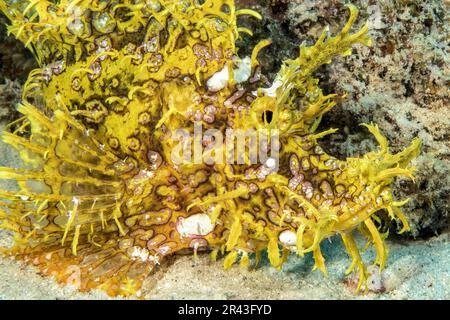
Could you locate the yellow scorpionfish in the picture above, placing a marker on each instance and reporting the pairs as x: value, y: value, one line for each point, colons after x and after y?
x: 100, y: 201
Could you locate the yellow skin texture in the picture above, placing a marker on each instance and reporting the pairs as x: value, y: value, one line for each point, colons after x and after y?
x: 99, y: 200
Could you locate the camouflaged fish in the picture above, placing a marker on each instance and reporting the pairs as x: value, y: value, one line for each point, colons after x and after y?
x: 100, y: 201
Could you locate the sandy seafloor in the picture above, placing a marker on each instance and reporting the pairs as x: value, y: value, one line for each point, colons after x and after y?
x: 415, y: 270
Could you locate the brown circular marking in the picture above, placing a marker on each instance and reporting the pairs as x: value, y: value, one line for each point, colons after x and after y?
x: 209, y: 118
x: 195, y: 34
x: 262, y: 222
x: 139, y: 243
x: 288, y: 217
x: 131, y: 221
x: 273, y: 217
x: 115, y: 82
x: 130, y: 48
x: 294, y: 164
x: 97, y: 109
x: 58, y: 67
x: 306, y: 165
x: 125, y: 243
x: 133, y: 143
x: 256, y: 208
x: 144, y: 118
x: 318, y: 150
x: 326, y: 188
x: 202, y: 176
x: 271, y: 203
x: 331, y: 163
x: 137, y: 57
x: 156, y: 241
x: 210, y: 109
x: 173, y: 72
x: 154, y: 62
x: 300, y: 212
x: 103, y: 42
x: 90, y: 47
x: 167, y: 248
x: 142, y: 234
x: 114, y: 143
x: 253, y: 187
x: 242, y: 185
x: 328, y: 202
x: 119, y: 106
x: 295, y: 181
x: 314, y: 160
x: 76, y: 84
x: 155, y: 159
x: 103, y: 22
x: 173, y: 234
x: 351, y: 190
x: 124, y: 166
x: 80, y: 28
x: 155, y: 218
x: 200, y: 50
x: 340, y: 189
x: 183, y: 252
x: 96, y: 68
x: 172, y: 179
x: 308, y: 189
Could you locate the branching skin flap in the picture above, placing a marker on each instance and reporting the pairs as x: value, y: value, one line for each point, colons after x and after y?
x: 100, y: 202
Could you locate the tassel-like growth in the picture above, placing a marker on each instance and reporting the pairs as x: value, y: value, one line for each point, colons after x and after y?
x: 100, y: 201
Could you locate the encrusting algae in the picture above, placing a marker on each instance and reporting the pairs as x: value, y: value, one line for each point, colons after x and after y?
x: 101, y: 202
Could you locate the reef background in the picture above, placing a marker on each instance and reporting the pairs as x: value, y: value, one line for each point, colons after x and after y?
x: 400, y: 83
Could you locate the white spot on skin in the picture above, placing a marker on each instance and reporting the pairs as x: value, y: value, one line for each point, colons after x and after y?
x: 272, y: 91
x: 195, y: 225
x: 149, y: 174
x: 243, y: 71
x: 271, y: 163
x: 164, y: 250
x: 288, y: 238
x: 219, y: 80
x: 141, y: 253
